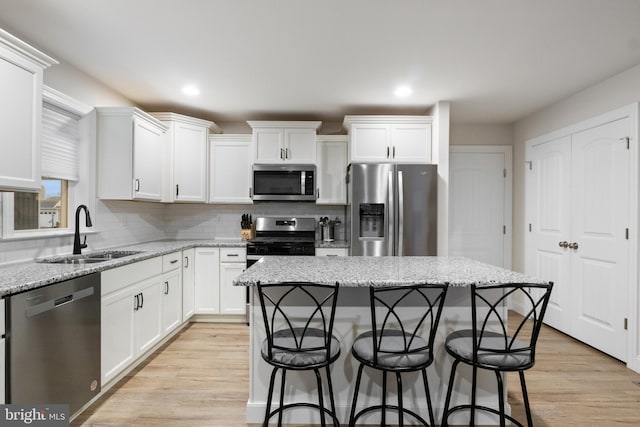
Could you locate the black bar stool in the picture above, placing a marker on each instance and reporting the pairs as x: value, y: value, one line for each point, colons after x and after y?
x: 299, y: 342
x: 404, y: 321
x: 492, y: 345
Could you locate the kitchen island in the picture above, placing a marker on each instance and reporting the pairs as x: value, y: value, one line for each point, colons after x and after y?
x: 355, y: 275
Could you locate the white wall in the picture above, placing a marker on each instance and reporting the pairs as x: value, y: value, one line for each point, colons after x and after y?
x: 481, y: 134
x: 617, y: 91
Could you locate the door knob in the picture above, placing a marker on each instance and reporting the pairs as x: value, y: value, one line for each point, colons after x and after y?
x: 573, y: 245
x: 563, y: 244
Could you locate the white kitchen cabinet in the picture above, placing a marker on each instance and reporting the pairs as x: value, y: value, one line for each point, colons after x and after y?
x: 232, y: 263
x: 207, y: 281
x: 171, y: 291
x: 21, y: 71
x: 131, y: 308
x: 185, y: 157
x: 331, y: 169
x: 397, y: 139
x: 188, y: 283
x: 332, y: 251
x: 230, y: 168
x: 130, y: 154
x: 284, y: 142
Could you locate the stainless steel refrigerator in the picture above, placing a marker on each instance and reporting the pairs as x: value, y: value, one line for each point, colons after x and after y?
x: 392, y: 209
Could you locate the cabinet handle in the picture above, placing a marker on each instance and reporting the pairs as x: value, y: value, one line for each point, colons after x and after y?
x: 250, y: 192
x: 573, y: 245
x: 173, y: 262
x: 318, y: 193
x: 137, y: 185
x: 166, y: 288
x: 136, y: 305
x: 387, y: 152
x: 186, y: 262
x: 177, y: 190
x: 141, y: 300
x: 286, y: 153
x: 282, y: 154
x: 563, y: 244
x: 234, y: 255
x: 394, y: 151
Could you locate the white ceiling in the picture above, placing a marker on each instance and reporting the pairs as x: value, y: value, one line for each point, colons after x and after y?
x: 496, y: 60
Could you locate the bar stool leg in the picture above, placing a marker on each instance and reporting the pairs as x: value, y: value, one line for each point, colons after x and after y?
x: 400, y: 411
x: 384, y: 398
x: 320, y: 397
x: 445, y: 418
x: 284, y: 375
x: 269, y: 397
x: 331, y: 398
x: 525, y: 397
x: 428, y: 393
x: 472, y: 417
x: 500, y: 399
x: 355, y: 396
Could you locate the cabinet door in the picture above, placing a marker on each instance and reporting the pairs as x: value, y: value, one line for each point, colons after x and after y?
x: 370, y: 142
x: 147, y: 160
x: 207, y: 281
x: 411, y: 143
x: 189, y: 163
x: 2, y: 370
x: 148, y: 317
x: 188, y: 283
x: 171, y: 300
x: 230, y: 170
x: 332, y: 170
x: 117, y: 333
x: 600, y: 188
x: 300, y: 145
x: 268, y: 145
x: 232, y: 298
x: 548, y: 215
x: 20, y: 118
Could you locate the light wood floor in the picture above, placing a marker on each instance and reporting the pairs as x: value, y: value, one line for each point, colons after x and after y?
x: 200, y: 378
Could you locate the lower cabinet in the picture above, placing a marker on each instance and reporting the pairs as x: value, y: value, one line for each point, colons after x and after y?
x: 188, y: 283
x: 332, y: 251
x: 215, y: 270
x: 171, y: 292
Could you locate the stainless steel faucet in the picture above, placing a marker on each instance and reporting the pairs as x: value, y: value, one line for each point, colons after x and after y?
x: 77, y: 247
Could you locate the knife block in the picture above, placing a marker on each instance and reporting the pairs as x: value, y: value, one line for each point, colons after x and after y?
x: 247, y: 233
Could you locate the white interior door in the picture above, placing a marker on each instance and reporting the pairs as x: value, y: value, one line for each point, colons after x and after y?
x: 480, y: 203
x: 600, y: 220
x: 548, y: 214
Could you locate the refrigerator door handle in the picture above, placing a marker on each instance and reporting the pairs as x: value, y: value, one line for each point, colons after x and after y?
x: 400, y: 215
x: 390, y: 219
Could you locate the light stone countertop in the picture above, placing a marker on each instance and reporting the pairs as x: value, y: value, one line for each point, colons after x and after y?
x: 378, y: 271
x: 30, y: 275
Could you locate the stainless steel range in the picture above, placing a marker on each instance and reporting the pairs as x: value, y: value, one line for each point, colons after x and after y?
x: 281, y: 236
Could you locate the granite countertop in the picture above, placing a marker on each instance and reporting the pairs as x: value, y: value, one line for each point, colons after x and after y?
x: 30, y: 275
x: 378, y: 271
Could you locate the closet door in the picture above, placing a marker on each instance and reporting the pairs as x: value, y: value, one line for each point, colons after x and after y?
x: 600, y: 218
x: 548, y: 212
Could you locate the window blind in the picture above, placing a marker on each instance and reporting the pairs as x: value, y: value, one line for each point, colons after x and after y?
x: 60, y: 139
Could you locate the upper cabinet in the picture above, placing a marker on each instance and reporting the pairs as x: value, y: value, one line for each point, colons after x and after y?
x: 332, y: 169
x: 185, y: 157
x: 130, y: 154
x: 230, y: 174
x: 21, y: 70
x: 284, y: 142
x: 399, y: 139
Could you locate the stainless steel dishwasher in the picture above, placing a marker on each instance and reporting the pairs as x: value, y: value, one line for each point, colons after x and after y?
x: 54, y: 343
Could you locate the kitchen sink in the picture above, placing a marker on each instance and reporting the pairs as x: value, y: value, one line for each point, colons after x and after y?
x: 91, y: 258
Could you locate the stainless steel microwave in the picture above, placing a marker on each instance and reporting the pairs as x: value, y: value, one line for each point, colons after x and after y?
x: 284, y: 182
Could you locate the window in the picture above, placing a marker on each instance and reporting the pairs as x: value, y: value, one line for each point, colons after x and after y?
x: 64, y: 142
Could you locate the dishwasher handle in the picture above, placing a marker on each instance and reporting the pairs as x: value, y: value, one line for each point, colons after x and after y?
x: 54, y: 303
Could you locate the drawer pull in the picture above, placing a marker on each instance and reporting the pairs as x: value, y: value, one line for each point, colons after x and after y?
x: 174, y: 261
x: 233, y: 255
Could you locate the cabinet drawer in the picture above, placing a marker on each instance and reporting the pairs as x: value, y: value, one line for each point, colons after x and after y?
x: 1, y: 318
x: 121, y: 277
x: 233, y: 255
x: 332, y: 251
x: 171, y: 261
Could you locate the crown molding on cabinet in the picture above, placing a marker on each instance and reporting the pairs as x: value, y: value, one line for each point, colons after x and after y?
x: 28, y: 51
x: 165, y: 116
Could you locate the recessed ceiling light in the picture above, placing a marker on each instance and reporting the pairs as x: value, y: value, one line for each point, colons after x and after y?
x: 403, y: 91
x: 191, y: 90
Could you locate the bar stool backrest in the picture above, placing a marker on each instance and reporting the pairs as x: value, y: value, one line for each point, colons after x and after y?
x: 414, y: 310
x: 303, y: 312
x: 493, y: 339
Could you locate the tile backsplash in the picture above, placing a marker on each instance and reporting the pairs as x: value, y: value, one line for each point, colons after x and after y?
x: 118, y: 223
